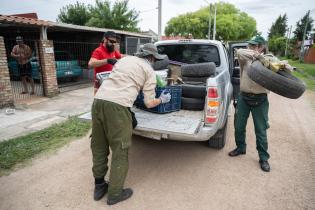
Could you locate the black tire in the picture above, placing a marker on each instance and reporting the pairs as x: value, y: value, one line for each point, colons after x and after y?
x: 194, y: 91
x: 194, y: 83
x: 195, y: 79
x: 198, y: 70
x: 282, y: 83
x: 218, y: 140
x: 195, y: 104
x: 161, y: 64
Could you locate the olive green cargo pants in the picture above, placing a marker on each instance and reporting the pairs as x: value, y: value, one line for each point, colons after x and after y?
x: 111, y: 128
x: 260, y: 117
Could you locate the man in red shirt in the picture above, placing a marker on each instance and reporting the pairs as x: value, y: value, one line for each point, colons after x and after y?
x: 105, y: 56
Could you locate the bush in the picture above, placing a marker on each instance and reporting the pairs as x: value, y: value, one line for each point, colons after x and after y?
x: 277, y: 45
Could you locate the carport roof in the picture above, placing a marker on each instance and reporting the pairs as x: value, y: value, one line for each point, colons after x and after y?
x: 16, y: 20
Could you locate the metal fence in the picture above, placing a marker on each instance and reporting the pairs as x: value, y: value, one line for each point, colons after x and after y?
x: 71, y: 59
x: 24, y: 88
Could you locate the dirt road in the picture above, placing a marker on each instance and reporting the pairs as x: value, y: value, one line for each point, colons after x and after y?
x: 184, y: 175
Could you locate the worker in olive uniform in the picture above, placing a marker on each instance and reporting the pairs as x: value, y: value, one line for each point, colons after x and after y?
x: 112, y: 121
x: 252, y: 99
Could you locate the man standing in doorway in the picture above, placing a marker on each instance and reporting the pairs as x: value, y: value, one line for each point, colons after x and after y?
x: 112, y: 121
x: 22, y: 53
x: 104, y: 57
x: 252, y: 99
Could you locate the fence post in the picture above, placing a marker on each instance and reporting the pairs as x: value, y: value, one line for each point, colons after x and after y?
x: 47, y: 62
x: 6, y: 96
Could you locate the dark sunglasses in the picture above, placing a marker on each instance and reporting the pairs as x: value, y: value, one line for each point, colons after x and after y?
x: 112, y: 41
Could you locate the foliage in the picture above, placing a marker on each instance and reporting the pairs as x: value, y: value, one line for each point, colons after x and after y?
x: 231, y: 24
x: 279, y: 28
x: 77, y: 14
x: 103, y: 15
x: 300, y: 26
x: 277, y: 45
x: 21, y: 149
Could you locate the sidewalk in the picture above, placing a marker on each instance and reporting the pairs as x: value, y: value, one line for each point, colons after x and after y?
x: 44, y: 112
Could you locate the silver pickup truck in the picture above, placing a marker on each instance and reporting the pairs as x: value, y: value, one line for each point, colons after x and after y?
x: 206, y: 123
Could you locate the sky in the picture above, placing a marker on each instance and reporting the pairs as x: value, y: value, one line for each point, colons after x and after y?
x: 265, y: 12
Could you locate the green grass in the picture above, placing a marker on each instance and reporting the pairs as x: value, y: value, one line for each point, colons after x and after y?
x: 20, y: 150
x: 306, y: 72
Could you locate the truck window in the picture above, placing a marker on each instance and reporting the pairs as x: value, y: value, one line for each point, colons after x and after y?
x: 191, y: 53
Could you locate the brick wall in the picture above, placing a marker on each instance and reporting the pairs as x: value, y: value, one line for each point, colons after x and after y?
x: 47, y: 60
x: 6, y: 96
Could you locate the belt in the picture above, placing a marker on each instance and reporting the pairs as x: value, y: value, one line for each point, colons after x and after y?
x: 253, y: 94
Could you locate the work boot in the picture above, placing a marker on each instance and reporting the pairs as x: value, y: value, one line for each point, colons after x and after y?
x: 100, y: 190
x: 124, y: 195
x: 264, y: 165
x: 237, y: 152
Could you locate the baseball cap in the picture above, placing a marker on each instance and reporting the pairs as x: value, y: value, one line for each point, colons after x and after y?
x: 108, y: 34
x: 257, y: 40
x: 150, y: 49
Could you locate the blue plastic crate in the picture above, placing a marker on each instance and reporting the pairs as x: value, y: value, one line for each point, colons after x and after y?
x: 173, y: 105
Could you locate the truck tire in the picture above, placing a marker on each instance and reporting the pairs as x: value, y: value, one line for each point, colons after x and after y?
x: 195, y: 79
x: 194, y: 91
x: 198, y: 70
x: 195, y: 104
x: 218, y: 140
x: 281, y: 83
x: 161, y: 64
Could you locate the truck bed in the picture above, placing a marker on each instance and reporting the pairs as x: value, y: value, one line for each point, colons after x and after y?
x: 180, y: 122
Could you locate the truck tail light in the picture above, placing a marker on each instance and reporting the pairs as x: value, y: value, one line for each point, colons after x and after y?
x: 213, y: 104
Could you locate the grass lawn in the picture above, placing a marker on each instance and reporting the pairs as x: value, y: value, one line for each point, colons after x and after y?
x: 306, y: 72
x: 20, y: 150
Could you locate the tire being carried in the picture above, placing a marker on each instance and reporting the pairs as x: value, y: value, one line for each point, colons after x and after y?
x: 282, y: 82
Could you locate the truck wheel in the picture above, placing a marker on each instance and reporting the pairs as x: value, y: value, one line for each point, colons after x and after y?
x: 282, y: 82
x: 195, y: 104
x: 161, y: 64
x: 198, y: 70
x: 195, y: 79
x: 194, y: 91
x: 218, y: 140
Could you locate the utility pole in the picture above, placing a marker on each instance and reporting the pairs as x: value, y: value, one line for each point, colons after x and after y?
x: 302, y: 44
x: 209, y: 29
x: 286, y: 44
x: 160, y: 21
x: 214, y: 21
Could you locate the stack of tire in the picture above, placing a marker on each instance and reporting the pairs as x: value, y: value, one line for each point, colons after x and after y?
x: 194, y: 89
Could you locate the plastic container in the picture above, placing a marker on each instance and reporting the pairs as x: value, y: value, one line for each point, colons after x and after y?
x: 173, y: 105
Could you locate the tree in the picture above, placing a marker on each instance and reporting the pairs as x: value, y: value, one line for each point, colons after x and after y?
x: 231, y: 23
x: 276, y: 45
x: 102, y: 15
x: 77, y: 14
x: 116, y: 17
x: 300, y: 26
x: 279, y: 28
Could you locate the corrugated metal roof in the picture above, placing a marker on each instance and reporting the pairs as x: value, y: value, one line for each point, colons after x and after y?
x: 23, y: 20
x: 29, y: 21
x: 88, y: 28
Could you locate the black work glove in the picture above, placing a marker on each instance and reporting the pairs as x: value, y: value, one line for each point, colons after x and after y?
x: 111, y: 61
